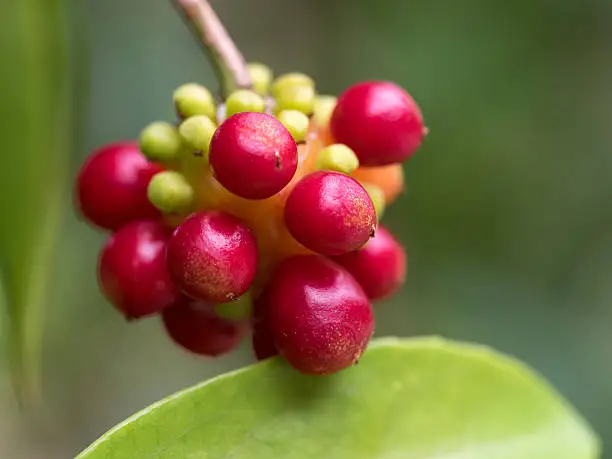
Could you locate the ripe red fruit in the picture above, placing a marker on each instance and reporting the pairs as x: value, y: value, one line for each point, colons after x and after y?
x: 330, y: 213
x: 263, y: 343
x: 112, y: 186
x: 253, y: 155
x: 132, y: 270
x: 194, y: 325
x: 212, y: 256
x: 320, y: 318
x: 379, y: 266
x: 379, y: 121
x: 262, y: 340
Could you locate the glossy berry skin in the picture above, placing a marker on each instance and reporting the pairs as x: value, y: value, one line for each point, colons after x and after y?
x: 212, y: 256
x: 379, y: 121
x: 193, y: 325
x: 112, y: 186
x: 320, y: 318
x: 253, y: 155
x: 379, y: 266
x: 262, y: 339
x: 330, y: 213
x: 132, y: 270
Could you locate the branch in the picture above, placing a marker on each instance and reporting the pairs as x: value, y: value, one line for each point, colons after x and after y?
x: 228, y: 62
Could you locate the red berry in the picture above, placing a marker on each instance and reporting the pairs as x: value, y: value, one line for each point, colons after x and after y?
x: 379, y: 266
x: 330, y: 213
x: 263, y: 343
x: 379, y: 121
x: 320, y: 317
x: 112, y: 186
x: 212, y: 256
x: 262, y: 340
x: 194, y: 325
x: 132, y: 270
x: 253, y: 155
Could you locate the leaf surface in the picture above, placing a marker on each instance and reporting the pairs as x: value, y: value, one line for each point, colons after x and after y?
x: 422, y: 398
x: 35, y: 112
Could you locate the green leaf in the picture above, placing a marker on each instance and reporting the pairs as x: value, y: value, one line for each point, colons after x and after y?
x: 35, y: 107
x: 424, y: 398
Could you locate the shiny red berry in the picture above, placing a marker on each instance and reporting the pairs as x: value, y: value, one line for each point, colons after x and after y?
x: 212, y: 256
x: 132, y: 270
x: 193, y: 325
x: 379, y: 266
x: 253, y: 155
x: 330, y: 213
x: 262, y: 339
x: 379, y: 121
x: 321, y: 319
x: 112, y: 186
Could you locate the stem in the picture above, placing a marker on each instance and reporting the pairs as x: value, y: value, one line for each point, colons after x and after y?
x: 228, y: 62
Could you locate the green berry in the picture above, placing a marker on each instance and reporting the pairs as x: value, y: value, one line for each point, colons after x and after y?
x: 170, y: 192
x: 244, y: 100
x: 337, y: 157
x: 236, y: 310
x: 196, y: 132
x: 323, y: 109
x: 193, y: 99
x: 296, y: 123
x: 300, y: 98
x: 377, y: 195
x: 290, y: 80
x: 160, y: 141
x: 261, y: 77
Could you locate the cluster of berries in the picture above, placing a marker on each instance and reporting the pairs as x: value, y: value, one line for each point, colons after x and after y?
x: 261, y: 214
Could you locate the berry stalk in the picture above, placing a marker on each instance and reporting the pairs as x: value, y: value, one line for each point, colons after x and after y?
x: 227, y: 60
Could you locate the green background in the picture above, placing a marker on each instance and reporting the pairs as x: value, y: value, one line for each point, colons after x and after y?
x: 507, y: 217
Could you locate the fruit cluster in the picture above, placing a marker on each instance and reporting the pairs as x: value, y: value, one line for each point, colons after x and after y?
x: 259, y: 213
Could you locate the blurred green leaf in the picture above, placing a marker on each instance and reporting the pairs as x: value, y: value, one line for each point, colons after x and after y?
x: 419, y: 398
x: 35, y: 115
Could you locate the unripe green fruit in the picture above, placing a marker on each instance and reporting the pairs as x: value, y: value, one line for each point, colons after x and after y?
x: 337, y: 157
x: 170, y: 192
x: 244, y: 100
x: 300, y: 98
x: 323, y: 109
x: 261, y: 77
x: 193, y: 99
x: 377, y: 195
x: 290, y: 80
x: 296, y: 123
x: 160, y: 142
x: 196, y: 132
x: 236, y: 310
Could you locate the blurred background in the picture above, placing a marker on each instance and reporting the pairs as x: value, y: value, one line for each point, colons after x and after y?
x: 507, y: 216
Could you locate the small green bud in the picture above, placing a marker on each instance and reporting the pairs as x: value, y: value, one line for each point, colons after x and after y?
x: 296, y: 123
x: 377, y: 195
x: 236, y: 310
x: 160, y: 141
x: 261, y: 77
x: 244, y: 100
x: 300, y: 98
x: 170, y: 192
x: 290, y: 80
x: 196, y: 132
x: 193, y: 99
x: 323, y: 108
x: 337, y: 157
